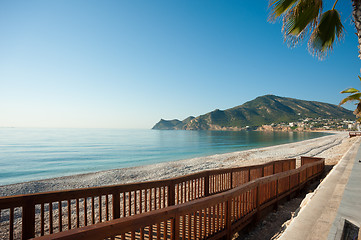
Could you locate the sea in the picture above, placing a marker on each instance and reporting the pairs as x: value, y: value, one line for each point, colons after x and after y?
x: 28, y: 154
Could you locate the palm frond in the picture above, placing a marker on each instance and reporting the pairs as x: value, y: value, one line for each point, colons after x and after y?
x: 279, y: 7
x: 353, y: 97
x: 305, y: 13
x: 357, y: 111
x: 350, y: 90
x: 301, y: 20
x: 329, y: 28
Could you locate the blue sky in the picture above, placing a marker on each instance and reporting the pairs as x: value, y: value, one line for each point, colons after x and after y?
x: 126, y: 64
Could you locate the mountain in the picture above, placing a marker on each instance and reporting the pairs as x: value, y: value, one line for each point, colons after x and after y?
x: 172, y: 124
x: 262, y: 110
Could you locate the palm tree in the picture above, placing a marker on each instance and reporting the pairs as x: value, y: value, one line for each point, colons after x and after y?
x: 355, y: 95
x: 356, y: 13
x: 305, y: 19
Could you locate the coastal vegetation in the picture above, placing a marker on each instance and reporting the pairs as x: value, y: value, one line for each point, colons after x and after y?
x: 355, y: 95
x: 264, y: 110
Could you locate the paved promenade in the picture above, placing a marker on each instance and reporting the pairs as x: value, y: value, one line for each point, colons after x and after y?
x: 338, y: 197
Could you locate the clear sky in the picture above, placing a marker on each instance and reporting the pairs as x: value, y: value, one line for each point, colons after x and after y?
x: 126, y: 64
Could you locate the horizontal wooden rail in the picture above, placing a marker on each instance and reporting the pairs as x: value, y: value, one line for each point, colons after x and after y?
x: 47, y: 213
x: 211, y: 217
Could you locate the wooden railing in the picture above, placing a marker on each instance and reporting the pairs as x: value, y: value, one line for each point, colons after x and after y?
x: 354, y: 134
x: 27, y: 216
x: 213, y: 217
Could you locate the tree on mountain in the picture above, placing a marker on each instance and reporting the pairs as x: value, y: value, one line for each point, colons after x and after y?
x: 303, y: 19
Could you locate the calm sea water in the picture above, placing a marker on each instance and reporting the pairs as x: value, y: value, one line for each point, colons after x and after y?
x: 33, y: 154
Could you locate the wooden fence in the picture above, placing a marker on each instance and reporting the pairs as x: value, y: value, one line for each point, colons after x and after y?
x: 212, y: 217
x: 47, y: 213
x: 354, y: 134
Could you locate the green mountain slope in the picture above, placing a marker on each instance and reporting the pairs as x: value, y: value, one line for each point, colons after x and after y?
x: 262, y: 110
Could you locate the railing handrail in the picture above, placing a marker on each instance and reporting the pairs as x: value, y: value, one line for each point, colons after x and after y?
x: 123, y: 225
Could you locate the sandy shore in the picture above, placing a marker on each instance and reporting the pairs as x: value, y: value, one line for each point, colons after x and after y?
x: 331, y: 147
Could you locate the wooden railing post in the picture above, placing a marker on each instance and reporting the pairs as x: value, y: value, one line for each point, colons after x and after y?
x: 206, y: 184
x: 28, y: 221
x: 299, y: 180
x: 258, y: 202
x: 276, y: 204
x: 171, y: 193
x: 289, y: 188
x: 175, y: 228
x: 231, y: 176
x: 116, y: 205
x: 229, y: 218
x: 289, y: 182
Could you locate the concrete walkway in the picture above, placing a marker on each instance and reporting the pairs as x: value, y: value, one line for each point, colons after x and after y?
x: 350, y: 206
x: 336, y: 198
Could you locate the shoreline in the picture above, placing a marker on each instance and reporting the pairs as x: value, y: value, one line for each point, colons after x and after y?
x: 72, y: 153
x: 332, y: 147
